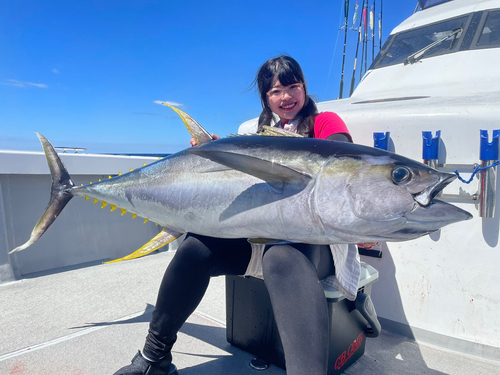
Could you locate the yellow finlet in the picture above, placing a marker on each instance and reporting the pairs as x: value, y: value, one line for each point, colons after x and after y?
x: 109, y: 176
x: 144, y: 165
x: 120, y: 173
x: 87, y: 197
x: 99, y: 180
x: 95, y: 201
x: 124, y: 211
x: 104, y: 204
x: 112, y: 207
x: 131, y: 169
x: 134, y: 216
x: 146, y: 220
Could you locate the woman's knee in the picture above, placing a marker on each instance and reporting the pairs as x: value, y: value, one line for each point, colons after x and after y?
x: 193, y: 251
x: 282, y: 260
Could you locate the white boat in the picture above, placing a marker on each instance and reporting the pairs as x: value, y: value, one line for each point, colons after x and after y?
x: 437, y: 72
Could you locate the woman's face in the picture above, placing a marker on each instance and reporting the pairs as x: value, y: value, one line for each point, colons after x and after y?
x: 286, y: 101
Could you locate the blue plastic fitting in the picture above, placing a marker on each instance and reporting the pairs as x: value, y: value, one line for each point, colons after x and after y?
x: 381, y: 140
x: 430, y: 148
x: 489, y: 151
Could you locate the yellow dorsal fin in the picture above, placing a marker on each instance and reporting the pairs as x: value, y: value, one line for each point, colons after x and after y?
x: 199, y: 134
x: 112, y: 207
x: 104, y: 204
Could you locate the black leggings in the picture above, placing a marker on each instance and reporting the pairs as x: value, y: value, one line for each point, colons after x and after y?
x: 292, y: 278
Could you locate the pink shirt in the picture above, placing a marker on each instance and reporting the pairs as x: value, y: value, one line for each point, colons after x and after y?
x: 328, y: 123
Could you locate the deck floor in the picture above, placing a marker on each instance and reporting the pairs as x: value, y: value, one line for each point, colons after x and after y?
x: 92, y: 320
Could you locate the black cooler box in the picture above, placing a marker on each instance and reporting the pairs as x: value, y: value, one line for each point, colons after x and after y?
x: 251, y: 325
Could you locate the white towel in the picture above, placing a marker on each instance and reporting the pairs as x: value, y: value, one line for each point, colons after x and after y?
x: 347, y: 270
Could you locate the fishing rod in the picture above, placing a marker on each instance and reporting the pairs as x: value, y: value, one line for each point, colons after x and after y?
x: 380, y: 25
x: 353, y: 79
x: 363, y: 38
x: 372, y: 27
x: 346, y: 26
x: 365, y: 41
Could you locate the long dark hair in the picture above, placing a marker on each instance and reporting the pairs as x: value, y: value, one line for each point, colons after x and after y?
x: 288, y: 72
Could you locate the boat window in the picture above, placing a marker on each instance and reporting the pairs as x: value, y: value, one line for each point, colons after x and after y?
x: 444, y: 35
x: 490, y: 35
x: 424, y: 4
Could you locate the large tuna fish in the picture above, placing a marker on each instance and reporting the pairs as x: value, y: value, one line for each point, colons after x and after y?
x: 278, y: 188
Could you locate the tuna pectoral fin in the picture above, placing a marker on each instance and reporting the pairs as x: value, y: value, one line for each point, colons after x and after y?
x: 60, y: 194
x: 273, y: 173
x: 200, y: 135
x: 161, y: 239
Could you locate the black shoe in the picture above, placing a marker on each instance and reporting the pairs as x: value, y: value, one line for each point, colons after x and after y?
x: 141, y: 366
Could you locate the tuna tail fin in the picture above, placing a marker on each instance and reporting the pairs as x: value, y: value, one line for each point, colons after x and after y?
x: 59, y: 196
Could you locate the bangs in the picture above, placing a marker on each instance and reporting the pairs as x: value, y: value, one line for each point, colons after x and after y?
x: 287, y: 73
x: 285, y: 69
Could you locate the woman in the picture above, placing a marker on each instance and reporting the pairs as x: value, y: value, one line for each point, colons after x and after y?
x: 283, y: 91
x: 291, y: 273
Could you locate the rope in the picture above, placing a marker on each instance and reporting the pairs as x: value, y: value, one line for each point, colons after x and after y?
x: 477, y: 169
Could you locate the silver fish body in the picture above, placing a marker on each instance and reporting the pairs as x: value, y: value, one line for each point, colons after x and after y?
x: 276, y: 188
x: 291, y: 189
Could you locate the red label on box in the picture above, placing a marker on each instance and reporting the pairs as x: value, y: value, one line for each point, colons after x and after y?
x: 347, y: 354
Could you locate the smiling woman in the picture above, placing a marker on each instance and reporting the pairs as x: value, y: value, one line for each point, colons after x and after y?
x: 291, y: 276
x: 286, y: 101
x: 283, y: 93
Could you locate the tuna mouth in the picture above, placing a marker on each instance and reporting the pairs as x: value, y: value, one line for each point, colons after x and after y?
x: 425, y: 220
x: 425, y: 197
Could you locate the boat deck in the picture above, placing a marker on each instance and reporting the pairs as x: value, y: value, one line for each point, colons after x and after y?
x: 92, y: 319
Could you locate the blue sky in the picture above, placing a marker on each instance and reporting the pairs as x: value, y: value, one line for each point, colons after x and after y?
x: 88, y: 73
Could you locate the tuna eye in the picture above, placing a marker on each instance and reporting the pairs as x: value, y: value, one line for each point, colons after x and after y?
x: 401, y: 175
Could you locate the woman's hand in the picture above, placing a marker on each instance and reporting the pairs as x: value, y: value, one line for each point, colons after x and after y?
x: 193, y: 141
